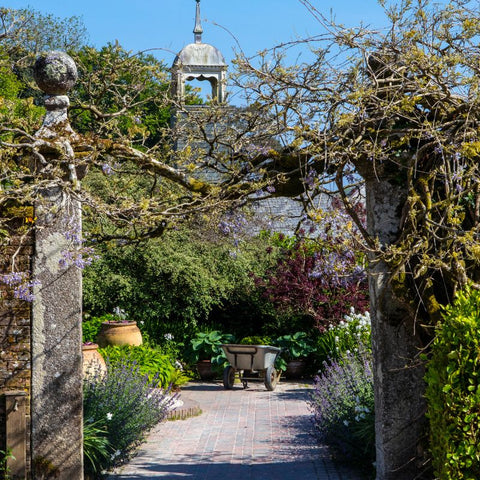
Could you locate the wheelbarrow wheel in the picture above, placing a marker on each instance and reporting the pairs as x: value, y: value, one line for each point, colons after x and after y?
x: 228, y: 377
x: 271, y: 378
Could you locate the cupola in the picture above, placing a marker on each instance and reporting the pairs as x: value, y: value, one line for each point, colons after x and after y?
x: 199, y: 61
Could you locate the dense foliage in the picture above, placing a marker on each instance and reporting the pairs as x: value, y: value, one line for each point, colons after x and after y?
x: 142, y: 116
x: 91, y: 327
x: 151, y: 362
x: 172, y: 284
x: 453, y: 390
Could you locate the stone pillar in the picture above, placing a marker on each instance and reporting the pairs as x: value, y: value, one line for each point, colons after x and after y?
x: 56, y: 405
x: 398, y: 374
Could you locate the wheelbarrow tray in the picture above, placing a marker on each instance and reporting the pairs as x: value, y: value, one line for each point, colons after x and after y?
x: 250, y: 357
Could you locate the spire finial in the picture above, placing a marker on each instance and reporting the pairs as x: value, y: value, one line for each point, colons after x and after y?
x: 198, y: 30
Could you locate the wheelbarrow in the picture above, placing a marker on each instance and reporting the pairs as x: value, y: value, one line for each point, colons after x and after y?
x: 252, y: 362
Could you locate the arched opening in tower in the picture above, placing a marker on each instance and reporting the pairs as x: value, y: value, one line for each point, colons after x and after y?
x: 206, y: 88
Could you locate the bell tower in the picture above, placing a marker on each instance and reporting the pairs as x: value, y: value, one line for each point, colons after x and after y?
x: 199, y: 61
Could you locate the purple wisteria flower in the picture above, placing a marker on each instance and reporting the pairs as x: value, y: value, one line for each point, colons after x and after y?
x: 309, y: 180
x: 13, y: 278
x: 21, y: 284
x: 107, y: 169
x: 77, y: 255
x: 256, y: 150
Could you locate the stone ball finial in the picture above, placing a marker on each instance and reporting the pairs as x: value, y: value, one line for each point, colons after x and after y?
x: 55, y: 72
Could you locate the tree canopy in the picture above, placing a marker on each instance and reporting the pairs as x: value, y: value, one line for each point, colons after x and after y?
x: 137, y: 182
x: 399, y: 104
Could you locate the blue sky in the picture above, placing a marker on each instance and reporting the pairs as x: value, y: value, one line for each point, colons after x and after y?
x: 168, y: 24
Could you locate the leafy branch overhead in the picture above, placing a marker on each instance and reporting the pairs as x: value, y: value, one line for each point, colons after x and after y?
x: 135, y: 181
x: 397, y: 107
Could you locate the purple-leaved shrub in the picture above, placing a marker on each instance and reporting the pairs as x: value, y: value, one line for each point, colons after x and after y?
x: 342, y: 402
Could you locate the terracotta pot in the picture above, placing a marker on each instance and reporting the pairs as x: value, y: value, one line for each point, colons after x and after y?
x: 205, y: 370
x: 295, y: 368
x: 119, y: 333
x: 93, y: 362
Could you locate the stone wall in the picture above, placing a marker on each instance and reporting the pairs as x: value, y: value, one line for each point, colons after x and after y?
x: 15, y: 321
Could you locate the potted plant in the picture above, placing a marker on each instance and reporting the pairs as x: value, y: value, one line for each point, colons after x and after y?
x: 93, y: 362
x: 206, y: 352
x: 117, y: 330
x: 295, y: 349
x: 256, y: 340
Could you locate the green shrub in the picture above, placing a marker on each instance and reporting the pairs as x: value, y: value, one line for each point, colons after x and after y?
x: 256, y: 340
x: 294, y: 346
x: 207, y: 346
x: 91, y: 327
x: 170, y: 346
x: 453, y: 391
x: 151, y: 362
x: 173, y: 284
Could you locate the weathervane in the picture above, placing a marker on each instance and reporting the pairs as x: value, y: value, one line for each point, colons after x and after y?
x: 198, y: 30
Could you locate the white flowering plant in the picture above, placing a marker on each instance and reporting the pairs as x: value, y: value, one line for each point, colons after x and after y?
x: 351, y: 335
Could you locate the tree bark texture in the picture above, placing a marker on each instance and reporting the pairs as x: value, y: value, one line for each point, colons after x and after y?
x: 398, y: 373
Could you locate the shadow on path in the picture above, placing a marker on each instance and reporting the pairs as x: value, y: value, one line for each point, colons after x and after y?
x: 251, y: 434
x: 230, y: 471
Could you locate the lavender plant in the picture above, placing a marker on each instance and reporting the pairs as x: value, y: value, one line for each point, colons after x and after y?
x: 126, y: 405
x: 342, y: 403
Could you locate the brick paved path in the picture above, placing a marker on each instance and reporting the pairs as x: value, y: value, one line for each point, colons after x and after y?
x: 250, y: 434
